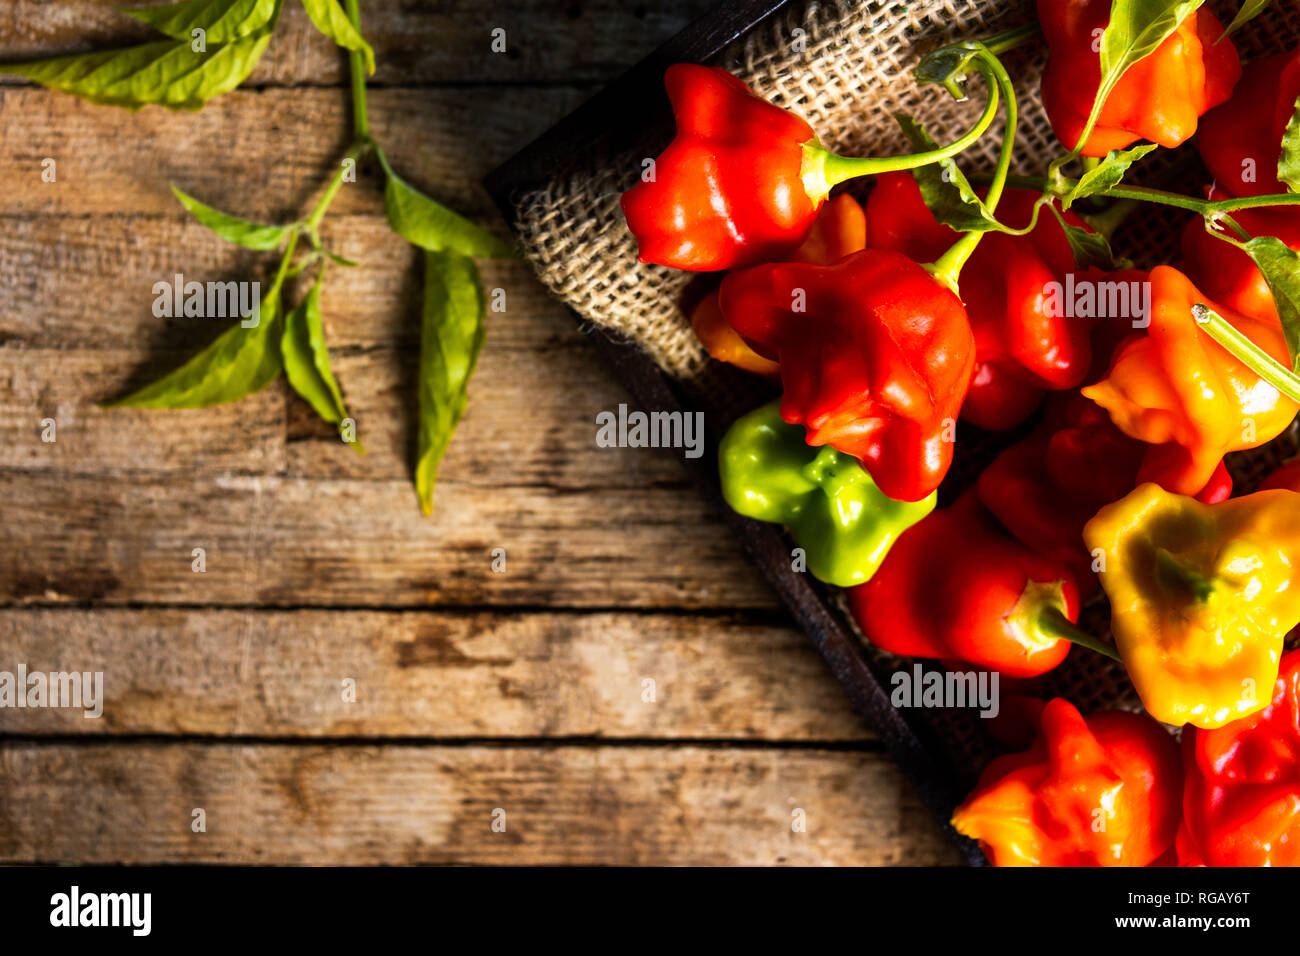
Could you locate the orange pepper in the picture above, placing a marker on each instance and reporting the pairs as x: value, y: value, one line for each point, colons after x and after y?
x: 1098, y: 792
x: 841, y: 228
x: 1185, y: 395
x: 724, y: 343
x: 1160, y: 98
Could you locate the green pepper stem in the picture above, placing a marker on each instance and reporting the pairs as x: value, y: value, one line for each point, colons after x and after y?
x: 823, y: 170
x: 1008, y: 40
x: 1174, y: 574
x: 947, y: 268
x: 1252, y: 356
x: 1206, y: 207
x: 1055, y: 624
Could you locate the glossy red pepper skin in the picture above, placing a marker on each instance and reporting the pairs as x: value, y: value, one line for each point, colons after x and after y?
x: 1241, y: 140
x: 952, y: 587
x: 1241, y: 799
x: 1045, y: 488
x: 1286, y: 476
x: 1022, y: 349
x: 1159, y: 98
x: 875, y: 357
x: 728, y: 191
x: 1097, y: 792
x: 1224, y: 272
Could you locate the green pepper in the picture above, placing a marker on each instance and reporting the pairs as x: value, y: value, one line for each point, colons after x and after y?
x: 835, y: 512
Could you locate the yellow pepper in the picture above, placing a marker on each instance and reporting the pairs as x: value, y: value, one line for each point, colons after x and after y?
x: 1201, y: 597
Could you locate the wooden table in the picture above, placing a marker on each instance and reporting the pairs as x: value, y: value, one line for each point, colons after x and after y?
x: 476, y: 692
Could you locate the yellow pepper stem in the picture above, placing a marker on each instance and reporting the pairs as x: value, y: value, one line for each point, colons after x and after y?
x: 1177, y: 576
x: 1055, y: 624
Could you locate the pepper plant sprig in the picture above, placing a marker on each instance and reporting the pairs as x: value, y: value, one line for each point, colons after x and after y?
x: 212, y: 46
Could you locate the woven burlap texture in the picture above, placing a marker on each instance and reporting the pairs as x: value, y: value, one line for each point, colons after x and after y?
x: 845, y: 68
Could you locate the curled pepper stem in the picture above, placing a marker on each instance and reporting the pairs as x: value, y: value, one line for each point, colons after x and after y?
x: 1252, y: 356
x: 822, y: 170
x: 947, y: 268
x: 1055, y: 624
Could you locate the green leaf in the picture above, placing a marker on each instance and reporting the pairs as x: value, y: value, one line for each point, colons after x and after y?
x: 946, y: 190
x: 334, y: 23
x: 1136, y: 29
x: 307, y: 360
x: 1106, y: 174
x: 1089, y: 248
x: 1249, y: 11
x: 220, y: 20
x: 1288, y: 163
x: 167, y: 73
x: 241, y: 232
x: 451, y: 339
x: 241, y: 361
x: 432, y: 226
x: 1280, y: 265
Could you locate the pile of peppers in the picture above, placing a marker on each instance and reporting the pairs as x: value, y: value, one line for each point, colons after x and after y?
x: 914, y: 308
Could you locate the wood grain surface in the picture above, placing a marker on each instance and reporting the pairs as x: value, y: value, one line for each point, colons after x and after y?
x: 524, y: 689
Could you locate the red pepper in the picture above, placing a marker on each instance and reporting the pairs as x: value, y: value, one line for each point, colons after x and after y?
x: 1225, y: 273
x: 957, y: 586
x: 1286, y: 476
x: 1241, y: 801
x: 841, y: 228
x: 1241, y: 140
x: 728, y: 191
x: 875, y: 354
x: 1159, y: 98
x: 1097, y: 792
x: 1045, y: 488
x: 1022, y: 349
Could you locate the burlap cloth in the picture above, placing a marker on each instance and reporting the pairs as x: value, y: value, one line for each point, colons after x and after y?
x: 844, y: 67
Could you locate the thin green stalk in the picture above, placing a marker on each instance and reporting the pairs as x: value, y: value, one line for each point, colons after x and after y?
x: 1256, y: 359
x: 1206, y: 207
x: 1055, y: 624
x: 357, y: 66
x: 335, y: 183
x: 947, y: 268
x: 1004, y: 42
x: 286, y: 261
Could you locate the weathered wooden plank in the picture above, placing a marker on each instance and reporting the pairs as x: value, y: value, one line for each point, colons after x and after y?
x: 415, y: 43
x: 423, y: 804
x: 532, y: 422
x: 419, y: 674
x: 283, y: 542
x: 50, y: 419
x: 87, y: 283
x: 265, y: 154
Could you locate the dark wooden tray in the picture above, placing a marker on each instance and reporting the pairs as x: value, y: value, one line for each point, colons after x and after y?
x: 936, y: 764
